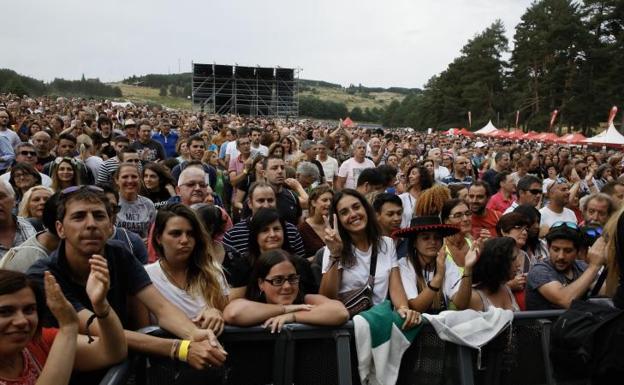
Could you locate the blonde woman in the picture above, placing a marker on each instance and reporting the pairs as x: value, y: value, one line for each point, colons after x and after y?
x: 33, y: 201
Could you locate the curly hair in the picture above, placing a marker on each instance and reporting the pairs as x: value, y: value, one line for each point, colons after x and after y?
x: 430, y: 201
x: 493, y: 268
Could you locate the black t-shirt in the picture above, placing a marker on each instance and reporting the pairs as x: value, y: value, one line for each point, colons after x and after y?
x: 127, y: 277
x: 288, y: 206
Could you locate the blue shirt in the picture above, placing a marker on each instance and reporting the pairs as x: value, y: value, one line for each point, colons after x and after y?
x: 168, y: 141
x: 7, y: 155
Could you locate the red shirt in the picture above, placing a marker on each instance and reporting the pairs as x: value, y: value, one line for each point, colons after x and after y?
x: 34, y: 356
x: 487, y: 221
x: 498, y: 202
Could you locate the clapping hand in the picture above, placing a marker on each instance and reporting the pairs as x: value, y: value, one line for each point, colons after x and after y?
x: 98, y: 283
x: 59, y: 306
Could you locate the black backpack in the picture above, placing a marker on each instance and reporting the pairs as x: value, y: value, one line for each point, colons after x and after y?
x: 587, y: 340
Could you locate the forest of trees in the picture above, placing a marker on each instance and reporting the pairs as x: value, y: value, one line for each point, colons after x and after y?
x: 567, y: 55
x: 12, y: 82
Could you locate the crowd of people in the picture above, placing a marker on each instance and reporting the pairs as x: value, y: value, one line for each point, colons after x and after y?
x: 114, y: 217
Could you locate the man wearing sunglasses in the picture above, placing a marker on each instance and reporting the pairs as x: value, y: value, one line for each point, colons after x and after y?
x: 555, y: 282
x: 529, y: 189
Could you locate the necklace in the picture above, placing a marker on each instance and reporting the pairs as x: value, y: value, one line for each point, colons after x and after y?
x: 171, y: 278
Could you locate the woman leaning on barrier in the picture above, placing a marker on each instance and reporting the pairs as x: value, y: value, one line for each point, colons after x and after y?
x: 187, y: 272
x: 353, y: 242
x: 273, y: 298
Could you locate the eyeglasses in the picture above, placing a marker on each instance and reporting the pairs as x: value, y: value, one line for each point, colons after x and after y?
x: 132, y: 161
x: 570, y: 225
x: 521, y: 228
x: 193, y: 184
x: 535, y: 191
x: 28, y: 153
x: 293, y: 279
x: 466, y: 214
x: 73, y: 189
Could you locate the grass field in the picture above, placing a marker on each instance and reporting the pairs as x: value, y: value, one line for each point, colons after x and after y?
x: 151, y: 95
x: 370, y: 100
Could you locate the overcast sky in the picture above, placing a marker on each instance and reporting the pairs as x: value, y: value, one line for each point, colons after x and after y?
x: 376, y: 43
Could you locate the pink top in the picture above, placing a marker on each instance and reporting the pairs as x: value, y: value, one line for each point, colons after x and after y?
x: 498, y: 202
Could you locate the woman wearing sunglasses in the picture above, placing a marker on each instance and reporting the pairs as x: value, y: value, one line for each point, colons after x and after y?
x: 273, y: 298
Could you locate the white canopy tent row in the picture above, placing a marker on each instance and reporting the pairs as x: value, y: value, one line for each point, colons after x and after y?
x: 609, y: 136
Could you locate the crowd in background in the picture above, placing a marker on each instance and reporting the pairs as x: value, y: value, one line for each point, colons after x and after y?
x: 194, y: 221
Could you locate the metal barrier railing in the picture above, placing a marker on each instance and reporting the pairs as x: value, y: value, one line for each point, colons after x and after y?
x: 303, y: 354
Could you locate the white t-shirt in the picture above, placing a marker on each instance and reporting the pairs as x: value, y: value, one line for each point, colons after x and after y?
x: 231, y: 150
x: 189, y: 304
x: 356, y: 276
x: 409, y: 202
x: 351, y: 169
x: 330, y: 168
x: 410, y: 279
x: 263, y: 150
x: 94, y: 163
x: 549, y: 217
x: 440, y: 173
x: 12, y: 136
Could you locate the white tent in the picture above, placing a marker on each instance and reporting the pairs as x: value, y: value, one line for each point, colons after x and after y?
x: 609, y: 136
x: 489, y: 128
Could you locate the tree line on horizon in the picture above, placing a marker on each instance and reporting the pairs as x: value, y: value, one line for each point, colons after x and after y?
x: 14, y: 83
x: 567, y: 56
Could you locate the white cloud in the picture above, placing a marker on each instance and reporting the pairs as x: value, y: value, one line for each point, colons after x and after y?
x: 391, y: 43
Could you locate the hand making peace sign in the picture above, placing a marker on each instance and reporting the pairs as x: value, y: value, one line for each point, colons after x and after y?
x: 332, y: 237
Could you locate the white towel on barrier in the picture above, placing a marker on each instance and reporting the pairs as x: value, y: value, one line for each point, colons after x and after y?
x: 469, y: 327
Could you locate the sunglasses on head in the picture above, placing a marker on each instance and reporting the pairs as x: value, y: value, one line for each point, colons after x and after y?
x: 73, y: 189
x: 570, y: 225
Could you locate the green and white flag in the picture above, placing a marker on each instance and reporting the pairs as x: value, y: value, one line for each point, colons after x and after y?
x: 380, y: 344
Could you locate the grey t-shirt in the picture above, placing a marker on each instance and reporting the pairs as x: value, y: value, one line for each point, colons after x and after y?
x: 21, y: 257
x: 544, y: 272
x: 136, y: 216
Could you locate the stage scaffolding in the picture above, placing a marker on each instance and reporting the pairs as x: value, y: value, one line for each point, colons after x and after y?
x: 251, y: 91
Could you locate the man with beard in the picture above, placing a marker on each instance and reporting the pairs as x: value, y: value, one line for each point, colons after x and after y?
x: 558, y: 280
x: 197, y: 148
x: 482, y: 217
x: 597, y: 209
x: 288, y: 203
x: 555, y: 210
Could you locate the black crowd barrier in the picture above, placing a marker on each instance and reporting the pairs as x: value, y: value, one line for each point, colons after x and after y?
x: 303, y: 354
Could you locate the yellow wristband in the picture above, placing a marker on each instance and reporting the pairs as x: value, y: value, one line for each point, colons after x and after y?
x: 183, y: 351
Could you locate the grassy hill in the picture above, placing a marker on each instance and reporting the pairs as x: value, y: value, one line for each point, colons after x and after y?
x: 151, y: 95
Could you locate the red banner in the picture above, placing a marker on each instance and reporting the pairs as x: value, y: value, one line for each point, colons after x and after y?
x: 553, y: 117
x: 612, y: 114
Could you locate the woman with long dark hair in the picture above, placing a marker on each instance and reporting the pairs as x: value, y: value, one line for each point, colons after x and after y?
x: 424, y: 269
x: 496, y: 266
x: 158, y: 185
x: 187, y: 273
x: 65, y: 173
x: 418, y: 179
x: 23, y: 177
x: 354, y: 243
x: 273, y: 297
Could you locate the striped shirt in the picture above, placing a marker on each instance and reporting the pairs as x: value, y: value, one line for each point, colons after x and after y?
x: 106, y: 171
x: 238, y: 238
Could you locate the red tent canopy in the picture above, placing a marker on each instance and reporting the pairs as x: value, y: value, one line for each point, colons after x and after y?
x: 466, y: 132
x: 529, y: 135
x: 575, y: 138
x: 547, y: 137
x: 518, y: 134
x: 348, y: 122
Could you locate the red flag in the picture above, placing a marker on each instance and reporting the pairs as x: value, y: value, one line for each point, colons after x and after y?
x: 612, y: 114
x: 517, y: 117
x: 469, y: 119
x: 553, y: 117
